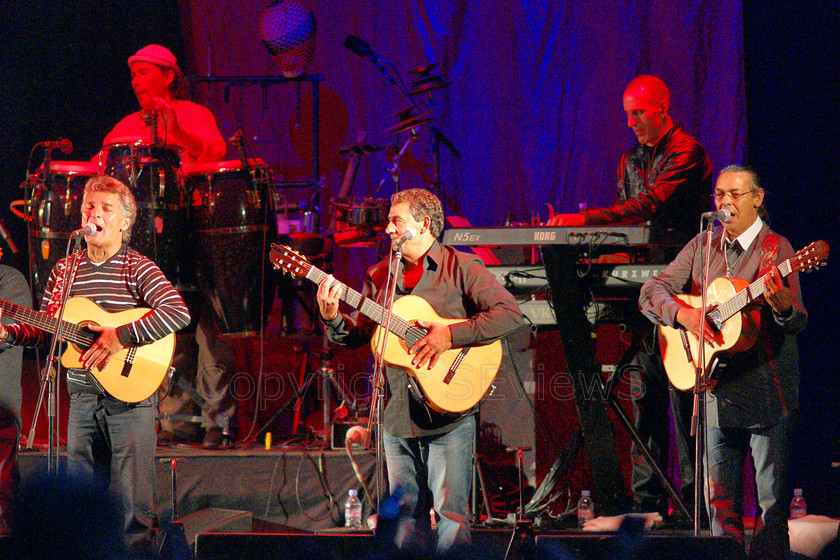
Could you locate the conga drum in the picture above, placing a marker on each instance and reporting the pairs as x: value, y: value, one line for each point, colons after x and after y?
x: 54, y: 211
x: 232, y: 226
x: 153, y: 174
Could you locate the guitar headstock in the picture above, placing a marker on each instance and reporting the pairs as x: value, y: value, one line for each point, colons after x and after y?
x: 809, y: 258
x: 289, y: 260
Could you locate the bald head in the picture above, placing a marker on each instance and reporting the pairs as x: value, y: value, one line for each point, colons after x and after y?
x: 647, y: 104
x: 649, y: 89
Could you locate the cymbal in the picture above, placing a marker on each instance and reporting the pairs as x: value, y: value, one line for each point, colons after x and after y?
x: 360, y: 148
x: 408, y: 125
x: 409, y: 120
x: 427, y: 81
x: 403, y: 114
x: 428, y: 87
x: 425, y: 69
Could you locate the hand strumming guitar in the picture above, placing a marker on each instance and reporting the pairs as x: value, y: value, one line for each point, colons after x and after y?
x: 430, y: 347
x: 100, y: 352
x: 690, y: 318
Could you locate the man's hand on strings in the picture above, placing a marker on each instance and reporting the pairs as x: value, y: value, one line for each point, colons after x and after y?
x: 327, y: 296
x: 101, y: 351
x: 690, y: 318
x: 429, y: 348
x: 775, y: 291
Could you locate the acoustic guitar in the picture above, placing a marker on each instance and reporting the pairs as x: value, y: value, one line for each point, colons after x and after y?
x: 460, y: 377
x: 132, y: 375
x: 729, y: 313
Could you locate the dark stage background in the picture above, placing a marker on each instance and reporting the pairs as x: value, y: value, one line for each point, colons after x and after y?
x: 535, y: 110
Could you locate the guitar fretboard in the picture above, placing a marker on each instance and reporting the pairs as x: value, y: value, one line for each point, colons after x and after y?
x: 69, y: 331
x: 748, y: 294
x: 366, y: 306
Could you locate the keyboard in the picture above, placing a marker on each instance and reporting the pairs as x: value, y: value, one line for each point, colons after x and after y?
x: 584, y: 235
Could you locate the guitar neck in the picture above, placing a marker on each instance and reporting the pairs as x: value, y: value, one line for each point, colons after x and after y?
x: 365, y: 305
x: 748, y: 294
x: 48, y: 323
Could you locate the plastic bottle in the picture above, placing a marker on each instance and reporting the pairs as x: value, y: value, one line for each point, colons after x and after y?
x: 353, y: 510
x: 585, y: 508
x: 797, y: 505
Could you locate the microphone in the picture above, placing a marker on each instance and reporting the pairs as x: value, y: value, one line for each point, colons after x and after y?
x: 358, y: 46
x: 359, y: 436
x: 89, y: 229
x: 722, y: 215
x: 65, y: 145
x: 409, y: 233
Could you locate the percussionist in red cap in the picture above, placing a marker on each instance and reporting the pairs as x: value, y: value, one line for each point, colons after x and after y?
x: 161, y: 89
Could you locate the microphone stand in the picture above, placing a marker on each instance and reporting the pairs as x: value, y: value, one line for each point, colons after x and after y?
x: 153, y: 126
x: 394, y: 170
x: 49, y: 379
x: 438, y: 137
x: 698, y: 417
x: 378, y: 399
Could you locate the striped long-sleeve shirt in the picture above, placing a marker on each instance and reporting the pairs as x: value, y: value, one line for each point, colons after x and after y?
x: 125, y: 281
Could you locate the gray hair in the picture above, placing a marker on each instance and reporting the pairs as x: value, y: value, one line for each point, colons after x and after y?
x: 422, y: 203
x: 128, y: 207
x: 756, y: 184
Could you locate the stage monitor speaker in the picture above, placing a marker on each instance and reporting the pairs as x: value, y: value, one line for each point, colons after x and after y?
x: 215, y: 520
x: 269, y: 546
x: 661, y: 547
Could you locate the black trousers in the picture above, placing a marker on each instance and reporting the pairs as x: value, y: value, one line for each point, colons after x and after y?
x: 655, y: 397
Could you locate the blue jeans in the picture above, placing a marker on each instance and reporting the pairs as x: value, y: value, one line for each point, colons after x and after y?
x: 433, y: 471
x: 116, y: 444
x: 727, y: 449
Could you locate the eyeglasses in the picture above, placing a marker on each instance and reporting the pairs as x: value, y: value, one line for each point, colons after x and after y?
x: 734, y: 195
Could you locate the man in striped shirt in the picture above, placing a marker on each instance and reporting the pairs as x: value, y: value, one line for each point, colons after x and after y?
x: 107, y: 438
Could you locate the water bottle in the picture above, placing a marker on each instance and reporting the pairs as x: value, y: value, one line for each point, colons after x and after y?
x: 797, y: 505
x: 585, y: 508
x: 353, y: 510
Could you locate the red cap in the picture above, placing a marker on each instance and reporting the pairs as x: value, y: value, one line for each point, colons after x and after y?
x: 155, y: 54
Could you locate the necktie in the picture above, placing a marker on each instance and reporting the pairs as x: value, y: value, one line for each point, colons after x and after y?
x: 733, y: 254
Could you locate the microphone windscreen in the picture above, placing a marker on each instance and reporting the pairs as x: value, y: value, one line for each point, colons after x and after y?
x: 358, y: 46
x: 287, y: 29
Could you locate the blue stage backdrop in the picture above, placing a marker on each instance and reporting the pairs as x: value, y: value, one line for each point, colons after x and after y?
x: 535, y: 106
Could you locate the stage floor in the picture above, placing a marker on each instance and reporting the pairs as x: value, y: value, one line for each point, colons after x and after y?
x: 291, y: 501
x: 298, y: 488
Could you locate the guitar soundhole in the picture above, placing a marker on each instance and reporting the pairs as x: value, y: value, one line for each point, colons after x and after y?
x: 413, y: 335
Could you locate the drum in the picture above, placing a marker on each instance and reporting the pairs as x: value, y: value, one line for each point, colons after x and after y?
x: 153, y: 173
x: 54, y: 211
x: 367, y: 214
x: 232, y: 226
x: 224, y: 195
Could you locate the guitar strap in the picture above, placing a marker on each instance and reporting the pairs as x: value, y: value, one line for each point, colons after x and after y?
x: 769, y: 252
x: 58, y: 290
x: 767, y: 259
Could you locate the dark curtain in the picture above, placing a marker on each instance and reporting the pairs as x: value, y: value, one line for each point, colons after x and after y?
x: 535, y: 109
